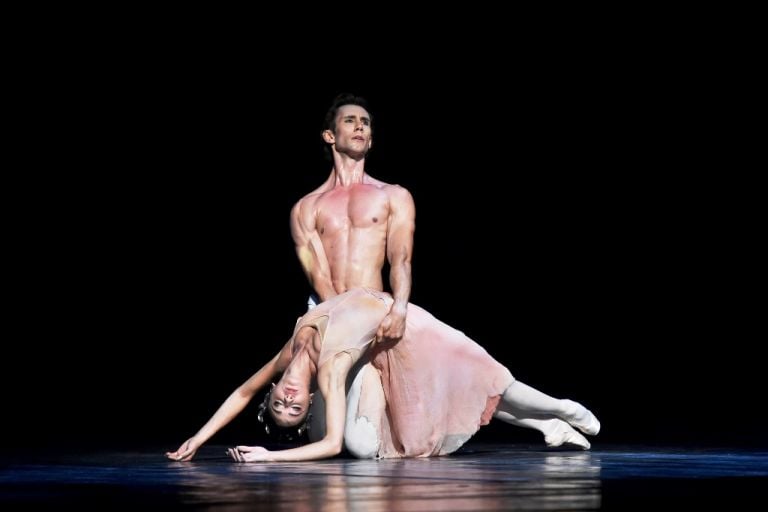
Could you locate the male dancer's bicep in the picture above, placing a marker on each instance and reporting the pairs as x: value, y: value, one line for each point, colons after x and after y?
x: 402, y: 224
x: 310, y: 251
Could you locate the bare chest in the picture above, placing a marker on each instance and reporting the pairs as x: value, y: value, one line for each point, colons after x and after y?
x: 360, y: 207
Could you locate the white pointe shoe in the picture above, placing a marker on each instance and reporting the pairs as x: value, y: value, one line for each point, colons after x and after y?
x: 564, y: 434
x: 583, y: 419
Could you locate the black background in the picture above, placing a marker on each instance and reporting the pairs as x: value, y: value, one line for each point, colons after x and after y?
x: 567, y: 220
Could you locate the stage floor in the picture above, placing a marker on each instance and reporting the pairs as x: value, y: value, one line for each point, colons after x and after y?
x: 481, y: 477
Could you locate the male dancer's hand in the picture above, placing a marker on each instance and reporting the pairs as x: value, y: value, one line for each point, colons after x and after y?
x: 392, y: 328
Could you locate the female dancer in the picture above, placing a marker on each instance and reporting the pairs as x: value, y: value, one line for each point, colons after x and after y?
x: 425, y: 395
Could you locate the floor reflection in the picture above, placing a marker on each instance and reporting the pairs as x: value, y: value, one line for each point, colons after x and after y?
x: 481, y: 477
x: 539, y: 480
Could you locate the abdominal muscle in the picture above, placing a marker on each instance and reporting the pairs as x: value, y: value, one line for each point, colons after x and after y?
x: 356, y: 257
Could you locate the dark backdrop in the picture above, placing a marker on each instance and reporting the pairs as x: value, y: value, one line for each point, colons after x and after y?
x: 566, y: 221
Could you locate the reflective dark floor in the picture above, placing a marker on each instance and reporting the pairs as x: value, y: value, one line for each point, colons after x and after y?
x: 480, y: 477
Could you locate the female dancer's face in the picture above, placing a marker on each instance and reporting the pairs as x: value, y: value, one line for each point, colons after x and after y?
x: 289, y: 403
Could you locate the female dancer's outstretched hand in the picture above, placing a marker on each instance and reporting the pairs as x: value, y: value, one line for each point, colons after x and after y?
x: 249, y: 453
x: 186, y: 451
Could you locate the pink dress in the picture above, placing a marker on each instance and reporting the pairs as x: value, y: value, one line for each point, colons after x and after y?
x: 439, y: 385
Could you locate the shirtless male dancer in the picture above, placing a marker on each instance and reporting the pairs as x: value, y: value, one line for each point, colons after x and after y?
x: 346, y: 228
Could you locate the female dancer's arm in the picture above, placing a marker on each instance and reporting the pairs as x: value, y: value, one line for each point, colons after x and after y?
x: 233, y: 405
x: 331, y: 381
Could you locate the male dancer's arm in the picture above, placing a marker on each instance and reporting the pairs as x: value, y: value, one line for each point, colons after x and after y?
x: 402, y: 223
x: 309, y: 249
